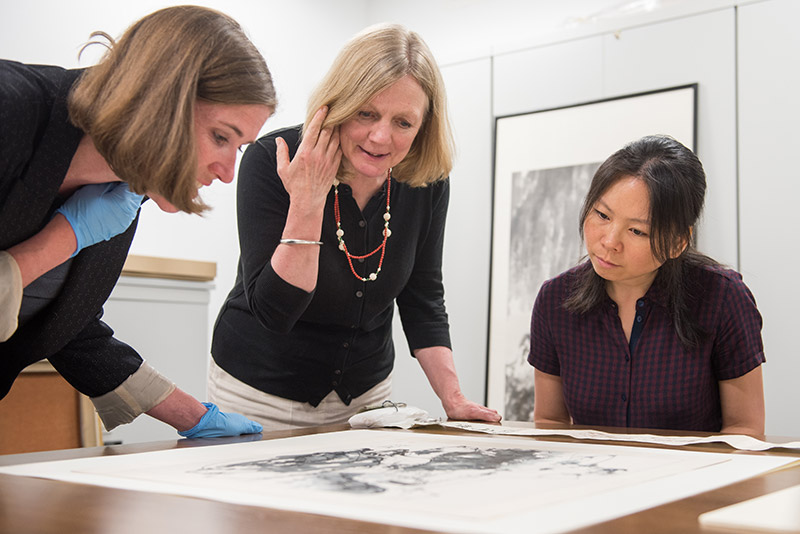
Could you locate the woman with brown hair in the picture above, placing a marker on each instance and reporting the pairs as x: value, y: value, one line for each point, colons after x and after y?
x: 336, y: 225
x: 161, y: 115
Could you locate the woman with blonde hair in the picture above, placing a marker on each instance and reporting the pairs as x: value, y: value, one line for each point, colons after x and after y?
x: 336, y: 225
x: 161, y: 115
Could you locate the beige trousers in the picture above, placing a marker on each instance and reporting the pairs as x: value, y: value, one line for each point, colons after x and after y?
x: 10, y: 294
x: 277, y: 413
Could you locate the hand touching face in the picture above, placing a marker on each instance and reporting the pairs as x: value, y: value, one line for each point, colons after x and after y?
x: 309, y: 176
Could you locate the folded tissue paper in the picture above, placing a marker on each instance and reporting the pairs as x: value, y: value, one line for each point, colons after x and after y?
x: 391, y: 414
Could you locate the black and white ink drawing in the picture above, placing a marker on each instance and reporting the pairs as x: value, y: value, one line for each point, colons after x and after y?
x: 379, y: 470
x: 455, y: 477
x: 544, y: 241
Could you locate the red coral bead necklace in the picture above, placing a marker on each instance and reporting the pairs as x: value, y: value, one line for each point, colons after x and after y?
x: 386, y: 232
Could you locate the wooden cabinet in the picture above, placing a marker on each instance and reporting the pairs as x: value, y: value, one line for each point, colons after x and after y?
x: 42, y: 412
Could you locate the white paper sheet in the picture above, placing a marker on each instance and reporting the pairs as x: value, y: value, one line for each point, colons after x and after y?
x: 774, y: 512
x: 737, y: 441
x: 469, y: 484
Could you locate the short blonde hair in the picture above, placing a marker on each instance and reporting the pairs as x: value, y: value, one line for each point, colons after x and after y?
x: 138, y: 103
x: 372, y: 61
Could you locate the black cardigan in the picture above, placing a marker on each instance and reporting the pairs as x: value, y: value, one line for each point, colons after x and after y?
x: 37, y: 142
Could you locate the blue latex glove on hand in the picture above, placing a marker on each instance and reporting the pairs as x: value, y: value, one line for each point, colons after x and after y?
x: 216, y: 424
x: 98, y: 212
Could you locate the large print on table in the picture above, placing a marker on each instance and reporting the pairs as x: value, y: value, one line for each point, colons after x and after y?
x: 544, y: 162
x: 444, y: 483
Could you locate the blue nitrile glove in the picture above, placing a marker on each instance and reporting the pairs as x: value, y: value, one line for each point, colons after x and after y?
x: 98, y: 212
x: 217, y: 424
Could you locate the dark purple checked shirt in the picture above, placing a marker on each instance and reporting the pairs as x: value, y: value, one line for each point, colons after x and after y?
x: 660, y: 384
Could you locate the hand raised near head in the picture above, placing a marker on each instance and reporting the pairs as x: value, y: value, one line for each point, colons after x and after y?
x: 309, y: 176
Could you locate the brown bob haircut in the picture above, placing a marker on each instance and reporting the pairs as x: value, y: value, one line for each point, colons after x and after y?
x: 138, y: 103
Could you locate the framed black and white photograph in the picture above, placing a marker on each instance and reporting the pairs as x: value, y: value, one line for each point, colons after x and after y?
x: 544, y: 161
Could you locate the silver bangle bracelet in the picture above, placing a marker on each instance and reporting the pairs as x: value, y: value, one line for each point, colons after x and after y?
x: 299, y: 242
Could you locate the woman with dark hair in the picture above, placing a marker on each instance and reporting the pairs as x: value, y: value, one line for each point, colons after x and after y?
x: 648, y: 332
x: 162, y: 114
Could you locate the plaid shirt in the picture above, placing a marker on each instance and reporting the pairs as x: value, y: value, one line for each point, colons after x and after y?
x: 659, y: 384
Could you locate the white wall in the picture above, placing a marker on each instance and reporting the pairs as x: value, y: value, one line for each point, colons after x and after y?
x: 769, y: 138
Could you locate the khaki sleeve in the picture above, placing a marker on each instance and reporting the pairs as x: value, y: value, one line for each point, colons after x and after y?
x: 10, y: 295
x: 139, y: 393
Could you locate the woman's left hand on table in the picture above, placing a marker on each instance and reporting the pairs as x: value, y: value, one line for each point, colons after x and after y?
x: 464, y: 409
